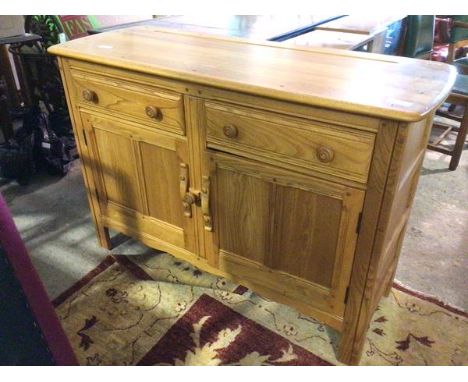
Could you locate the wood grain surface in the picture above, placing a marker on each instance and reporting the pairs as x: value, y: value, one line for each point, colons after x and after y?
x: 391, y: 87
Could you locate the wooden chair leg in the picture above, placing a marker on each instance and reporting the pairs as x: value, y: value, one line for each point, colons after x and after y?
x: 460, y: 142
x: 450, y: 53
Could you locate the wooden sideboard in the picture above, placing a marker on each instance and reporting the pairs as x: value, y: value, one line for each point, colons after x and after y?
x: 291, y: 171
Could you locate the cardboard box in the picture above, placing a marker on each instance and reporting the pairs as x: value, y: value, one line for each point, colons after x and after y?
x: 11, y: 26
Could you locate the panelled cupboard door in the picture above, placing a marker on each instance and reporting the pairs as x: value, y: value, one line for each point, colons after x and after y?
x: 138, y: 176
x: 287, y: 232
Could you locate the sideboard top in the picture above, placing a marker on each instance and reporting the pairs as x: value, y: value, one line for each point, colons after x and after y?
x: 382, y: 86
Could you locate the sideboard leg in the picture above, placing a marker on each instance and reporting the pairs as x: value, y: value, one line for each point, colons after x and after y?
x: 350, y: 349
x: 389, y: 286
x: 103, y: 237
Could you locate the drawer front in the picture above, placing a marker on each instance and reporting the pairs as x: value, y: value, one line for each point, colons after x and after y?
x: 334, y: 150
x: 146, y: 104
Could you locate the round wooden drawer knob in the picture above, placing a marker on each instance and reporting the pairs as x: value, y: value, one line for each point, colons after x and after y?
x: 230, y: 131
x: 90, y: 96
x: 325, y: 154
x: 154, y: 112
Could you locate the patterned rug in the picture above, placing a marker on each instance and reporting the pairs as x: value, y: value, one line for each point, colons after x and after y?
x: 157, y: 310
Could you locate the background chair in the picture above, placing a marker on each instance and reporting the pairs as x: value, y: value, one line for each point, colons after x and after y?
x: 419, y: 43
x: 458, y: 96
x: 30, y: 331
x: 419, y: 36
x: 458, y: 38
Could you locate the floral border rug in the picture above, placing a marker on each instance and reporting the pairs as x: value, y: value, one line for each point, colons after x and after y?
x: 157, y: 310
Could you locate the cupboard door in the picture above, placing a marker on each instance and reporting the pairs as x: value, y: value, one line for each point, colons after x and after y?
x: 284, y: 231
x: 137, y: 173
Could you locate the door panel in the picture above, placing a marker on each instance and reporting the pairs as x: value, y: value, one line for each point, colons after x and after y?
x: 242, y: 230
x: 138, y: 179
x: 292, y: 232
x: 306, y: 234
x: 160, y: 168
x: 118, y: 170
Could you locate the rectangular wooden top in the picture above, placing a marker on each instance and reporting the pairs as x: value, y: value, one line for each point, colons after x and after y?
x: 382, y: 86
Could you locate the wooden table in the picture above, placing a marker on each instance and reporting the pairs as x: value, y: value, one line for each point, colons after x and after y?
x: 330, y: 39
x: 330, y: 31
x: 361, y: 24
x: 373, y: 26
x: 264, y: 27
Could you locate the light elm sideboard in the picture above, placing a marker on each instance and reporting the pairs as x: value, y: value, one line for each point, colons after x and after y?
x: 291, y: 171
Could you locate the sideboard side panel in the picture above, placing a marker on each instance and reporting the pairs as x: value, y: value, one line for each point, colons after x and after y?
x: 380, y: 168
x: 410, y: 171
x: 86, y: 159
x: 403, y: 176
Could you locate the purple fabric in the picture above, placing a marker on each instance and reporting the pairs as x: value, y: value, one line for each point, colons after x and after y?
x: 34, y: 290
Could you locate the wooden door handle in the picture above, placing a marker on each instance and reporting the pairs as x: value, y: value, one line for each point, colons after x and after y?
x: 89, y: 95
x: 192, y: 197
x: 183, y: 179
x: 187, y: 200
x: 205, y: 203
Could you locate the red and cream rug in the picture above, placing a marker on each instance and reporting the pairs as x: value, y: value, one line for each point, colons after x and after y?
x: 157, y: 310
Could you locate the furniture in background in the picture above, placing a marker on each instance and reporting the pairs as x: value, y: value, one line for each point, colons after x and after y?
x: 263, y: 166
x: 419, y: 41
x: 462, y: 65
x: 450, y: 38
x: 458, y: 36
x: 264, y: 27
x: 39, y: 128
x: 13, y: 100
x: 458, y: 96
x: 419, y: 36
x: 7, y: 87
x: 58, y: 28
x: 330, y: 31
x: 330, y: 39
x: 376, y: 27
x: 30, y: 331
x: 9, y: 26
x: 441, y: 38
x: 361, y: 24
